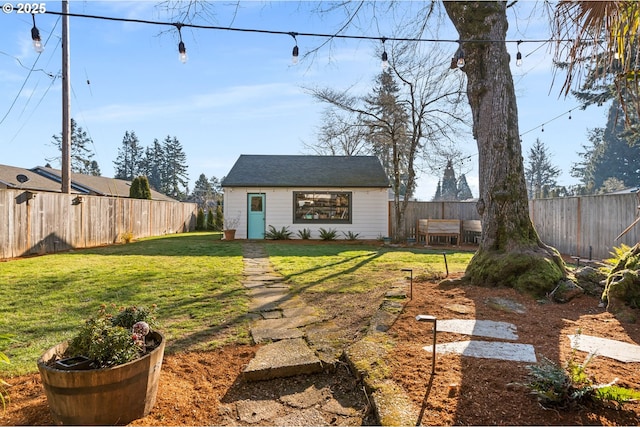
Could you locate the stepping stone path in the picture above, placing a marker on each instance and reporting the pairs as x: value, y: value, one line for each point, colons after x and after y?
x: 279, y: 322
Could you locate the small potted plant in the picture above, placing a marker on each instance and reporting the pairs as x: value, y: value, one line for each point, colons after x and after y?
x: 230, y: 225
x: 108, y: 372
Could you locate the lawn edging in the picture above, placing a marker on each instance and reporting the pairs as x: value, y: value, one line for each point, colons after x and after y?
x: 366, y: 358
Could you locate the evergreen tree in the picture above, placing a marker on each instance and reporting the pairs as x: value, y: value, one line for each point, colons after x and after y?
x: 140, y: 188
x: 210, y: 220
x: 81, y: 152
x: 610, y: 155
x: 200, y: 219
x: 388, y: 134
x: 174, y: 171
x: 154, y: 165
x: 219, y: 219
x: 203, y: 192
x: 464, y: 191
x: 129, y: 162
x: 438, y: 196
x: 449, y: 183
x: 539, y: 173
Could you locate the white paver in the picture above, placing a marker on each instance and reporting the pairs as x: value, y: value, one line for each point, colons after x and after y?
x: 482, y: 328
x: 488, y: 350
x: 618, y: 350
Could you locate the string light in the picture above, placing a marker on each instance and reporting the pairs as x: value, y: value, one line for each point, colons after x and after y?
x: 294, y: 54
x: 182, y: 51
x: 459, y: 57
x: 385, y: 58
x: 35, y: 36
x: 457, y: 61
x: 519, y: 55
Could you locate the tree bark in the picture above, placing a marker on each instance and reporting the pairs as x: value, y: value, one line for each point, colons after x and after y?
x: 510, y: 253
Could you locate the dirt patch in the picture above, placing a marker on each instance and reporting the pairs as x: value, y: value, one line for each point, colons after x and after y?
x: 203, y: 388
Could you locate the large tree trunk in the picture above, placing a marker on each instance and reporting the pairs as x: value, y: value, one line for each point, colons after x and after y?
x: 510, y: 253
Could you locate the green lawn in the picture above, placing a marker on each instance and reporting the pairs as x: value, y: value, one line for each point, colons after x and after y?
x: 194, y: 279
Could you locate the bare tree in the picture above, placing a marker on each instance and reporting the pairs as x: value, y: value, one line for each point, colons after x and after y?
x: 424, y: 112
x: 340, y: 134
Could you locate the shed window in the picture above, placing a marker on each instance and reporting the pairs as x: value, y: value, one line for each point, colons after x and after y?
x: 322, y: 207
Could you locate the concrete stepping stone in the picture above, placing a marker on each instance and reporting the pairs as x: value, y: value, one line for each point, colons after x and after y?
x: 281, y: 359
x: 488, y: 350
x: 618, y: 350
x: 482, y: 328
x: 254, y: 411
x: 282, y: 328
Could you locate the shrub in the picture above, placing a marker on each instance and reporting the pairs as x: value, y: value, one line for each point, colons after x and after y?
x: 210, y: 221
x: 350, y: 235
x: 4, y: 396
x: 305, y: 233
x: 109, y: 339
x: 200, y: 219
x: 329, y: 234
x: 219, y: 220
x: 564, y: 387
x: 127, y: 237
x: 282, y: 234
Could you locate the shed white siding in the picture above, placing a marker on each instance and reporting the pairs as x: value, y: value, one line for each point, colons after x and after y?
x: 369, y: 212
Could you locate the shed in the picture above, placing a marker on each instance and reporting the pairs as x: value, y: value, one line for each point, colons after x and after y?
x: 343, y: 193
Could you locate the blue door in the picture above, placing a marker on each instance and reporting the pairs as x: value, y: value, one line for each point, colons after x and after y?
x: 256, y: 217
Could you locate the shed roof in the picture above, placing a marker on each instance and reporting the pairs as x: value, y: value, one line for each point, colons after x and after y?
x: 306, y: 171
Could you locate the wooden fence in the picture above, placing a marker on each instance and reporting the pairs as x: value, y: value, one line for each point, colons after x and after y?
x: 38, y: 223
x: 580, y: 226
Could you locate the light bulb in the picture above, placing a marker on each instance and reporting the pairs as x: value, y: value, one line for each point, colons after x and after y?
x: 460, y: 58
x: 385, y: 61
x: 518, y: 59
x: 182, y: 53
x: 294, y: 55
x: 37, y: 42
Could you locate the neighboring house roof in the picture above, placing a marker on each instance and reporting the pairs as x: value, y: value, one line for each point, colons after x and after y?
x: 306, y: 171
x: 36, y: 182
x: 49, y: 179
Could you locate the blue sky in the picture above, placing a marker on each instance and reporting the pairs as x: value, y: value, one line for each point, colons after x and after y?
x: 239, y: 92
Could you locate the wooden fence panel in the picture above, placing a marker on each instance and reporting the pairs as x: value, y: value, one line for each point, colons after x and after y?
x: 51, y: 222
x: 580, y: 226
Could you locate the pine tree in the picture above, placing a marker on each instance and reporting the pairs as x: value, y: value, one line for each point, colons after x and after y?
x: 210, y: 220
x: 219, y: 220
x: 438, y: 195
x: 81, y: 152
x: 449, y: 183
x: 174, y: 171
x: 203, y: 191
x: 140, y: 188
x: 611, y: 155
x: 154, y: 165
x: 200, y: 219
x: 539, y: 173
x: 464, y: 191
x: 129, y: 162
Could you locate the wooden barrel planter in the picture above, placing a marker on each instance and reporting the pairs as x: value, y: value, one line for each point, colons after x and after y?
x: 109, y: 396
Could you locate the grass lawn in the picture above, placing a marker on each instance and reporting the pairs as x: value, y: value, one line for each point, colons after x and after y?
x: 348, y: 268
x: 194, y: 279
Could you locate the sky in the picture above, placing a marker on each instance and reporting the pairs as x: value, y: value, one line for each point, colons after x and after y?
x: 239, y: 92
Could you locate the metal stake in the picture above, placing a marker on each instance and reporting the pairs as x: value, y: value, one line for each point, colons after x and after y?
x: 431, y: 319
x: 446, y: 266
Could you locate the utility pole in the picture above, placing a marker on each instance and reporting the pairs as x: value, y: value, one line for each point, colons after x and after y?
x: 66, y: 89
